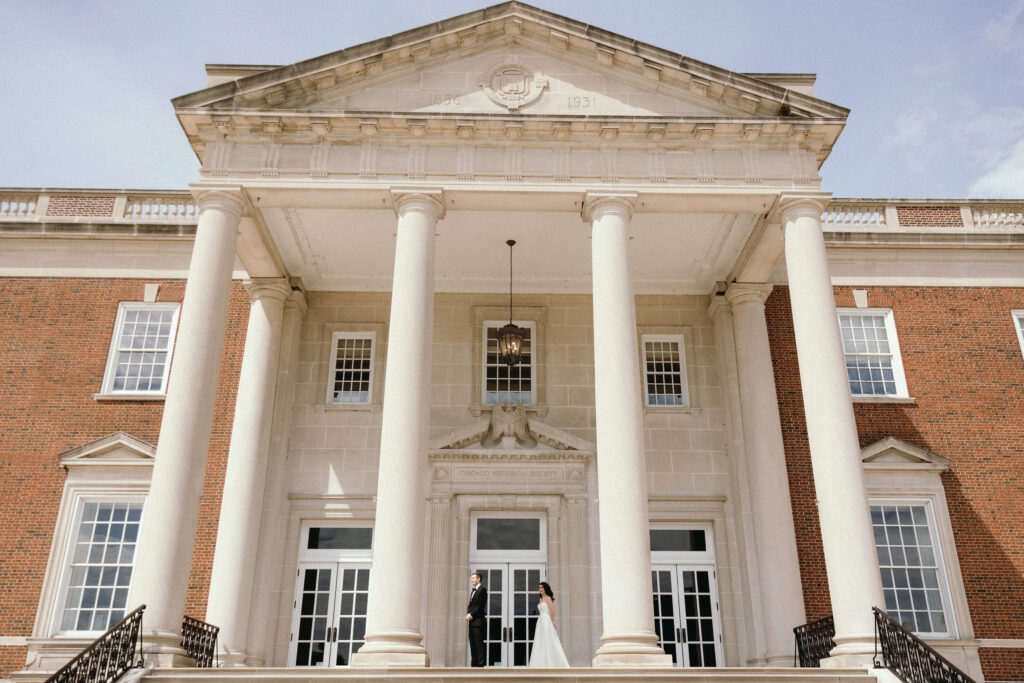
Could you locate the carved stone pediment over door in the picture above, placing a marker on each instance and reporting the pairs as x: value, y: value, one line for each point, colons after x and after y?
x: 509, y: 451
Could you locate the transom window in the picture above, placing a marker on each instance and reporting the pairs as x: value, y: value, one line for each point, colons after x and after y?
x: 503, y: 384
x: 100, y: 564
x: 140, y: 350
x: 352, y: 373
x: 912, y: 579
x: 1018, y: 319
x: 665, y: 371
x: 873, y: 364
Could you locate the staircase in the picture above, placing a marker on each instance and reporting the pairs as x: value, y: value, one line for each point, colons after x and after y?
x: 464, y: 675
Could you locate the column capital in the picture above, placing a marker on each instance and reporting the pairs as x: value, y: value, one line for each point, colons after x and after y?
x: 596, y: 204
x: 418, y: 198
x: 742, y: 292
x: 297, y: 301
x: 228, y: 200
x: 276, y: 288
x: 718, y: 306
x: 804, y: 204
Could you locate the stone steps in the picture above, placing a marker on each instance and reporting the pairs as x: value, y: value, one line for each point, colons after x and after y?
x: 463, y: 675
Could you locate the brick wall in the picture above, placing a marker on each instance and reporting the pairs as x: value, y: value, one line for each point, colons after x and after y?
x: 964, y: 368
x: 930, y: 216
x: 75, y: 205
x: 53, y: 351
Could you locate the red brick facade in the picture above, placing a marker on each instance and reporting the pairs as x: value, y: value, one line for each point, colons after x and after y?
x: 74, y: 205
x: 930, y: 216
x: 964, y: 369
x: 53, y: 352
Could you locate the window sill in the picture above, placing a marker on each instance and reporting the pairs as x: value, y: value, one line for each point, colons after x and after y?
x: 478, y: 409
x: 129, y: 396
x: 884, y: 399
x: 672, y: 410
x: 350, y: 407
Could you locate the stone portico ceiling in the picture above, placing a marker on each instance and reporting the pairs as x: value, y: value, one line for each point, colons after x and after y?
x: 514, y: 114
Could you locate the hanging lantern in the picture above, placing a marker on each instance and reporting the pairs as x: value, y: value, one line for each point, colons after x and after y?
x: 510, y: 337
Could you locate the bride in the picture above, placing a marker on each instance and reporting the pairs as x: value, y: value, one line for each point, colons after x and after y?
x: 547, y: 649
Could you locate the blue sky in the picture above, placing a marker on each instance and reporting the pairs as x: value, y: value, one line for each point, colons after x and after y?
x: 936, y: 87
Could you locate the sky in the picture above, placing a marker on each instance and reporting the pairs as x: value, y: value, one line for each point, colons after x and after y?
x: 936, y: 87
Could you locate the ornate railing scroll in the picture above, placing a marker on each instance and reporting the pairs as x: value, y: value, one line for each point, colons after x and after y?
x: 909, y: 657
x: 814, y: 641
x: 199, y: 641
x: 108, y: 657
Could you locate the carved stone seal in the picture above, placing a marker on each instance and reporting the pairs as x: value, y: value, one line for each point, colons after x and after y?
x: 513, y: 85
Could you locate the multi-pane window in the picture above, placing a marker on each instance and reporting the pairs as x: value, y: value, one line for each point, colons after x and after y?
x: 1018, y: 319
x: 873, y: 365
x: 352, y: 368
x: 99, y: 569
x: 140, y: 350
x: 665, y: 371
x: 912, y: 579
x: 504, y: 384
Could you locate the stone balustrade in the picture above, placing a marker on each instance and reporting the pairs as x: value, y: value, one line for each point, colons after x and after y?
x: 92, y: 206
x: 913, y: 215
x: 841, y: 215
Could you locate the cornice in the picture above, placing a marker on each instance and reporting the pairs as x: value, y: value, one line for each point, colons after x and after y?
x: 513, y: 23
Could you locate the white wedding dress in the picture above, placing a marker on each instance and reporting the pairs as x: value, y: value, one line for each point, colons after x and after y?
x: 547, y: 648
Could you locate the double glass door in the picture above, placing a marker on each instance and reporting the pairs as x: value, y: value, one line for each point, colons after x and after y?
x: 686, y: 615
x: 511, y: 611
x: 329, y: 617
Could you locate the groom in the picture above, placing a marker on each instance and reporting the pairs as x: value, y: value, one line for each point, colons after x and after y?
x: 476, y: 614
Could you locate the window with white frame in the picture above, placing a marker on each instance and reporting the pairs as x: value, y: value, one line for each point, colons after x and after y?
x: 504, y: 384
x: 665, y: 381
x: 1018, y: 319
x: 909, y: 558
x: 140, y: 349
x: 351, y: 379
x: 98, y: 571
x: 873, y: 364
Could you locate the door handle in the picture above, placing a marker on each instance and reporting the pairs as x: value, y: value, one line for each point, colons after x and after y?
x: 679, y: 637
x: 334, y: 634
x: 683, y: 638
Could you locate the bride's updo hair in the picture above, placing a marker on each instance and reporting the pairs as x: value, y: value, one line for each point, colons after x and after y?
x: 547, y: 590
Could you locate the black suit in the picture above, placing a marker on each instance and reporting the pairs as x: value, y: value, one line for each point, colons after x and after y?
x: 477, y: 609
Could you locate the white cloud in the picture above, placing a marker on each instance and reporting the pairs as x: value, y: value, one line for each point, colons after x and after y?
x: 1006, y: 32
x: 1005, y: 179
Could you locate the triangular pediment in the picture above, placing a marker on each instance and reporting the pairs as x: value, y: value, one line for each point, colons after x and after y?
x: 117, y: 449
x: 892, y: 453
x: 510, y: 59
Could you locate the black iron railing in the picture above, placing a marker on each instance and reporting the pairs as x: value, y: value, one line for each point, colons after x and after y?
x: 813, y: 642
x: 909, y: 657
x: 108, y: 657
x: 199, y: 640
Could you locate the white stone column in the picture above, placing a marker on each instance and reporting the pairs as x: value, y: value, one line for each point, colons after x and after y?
x: 267, y: 589
x: 238, y: 529
x: 393, y: 637
x: 629, y: 639
x: 778, y: 566
x: 850, y: 560
x: 167, y: 536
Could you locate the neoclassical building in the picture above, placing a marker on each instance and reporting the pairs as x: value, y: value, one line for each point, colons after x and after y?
x: 740, y: 404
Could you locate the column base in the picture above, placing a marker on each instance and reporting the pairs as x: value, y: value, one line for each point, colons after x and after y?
x: 392, y: 650
x: 162, y: 650
x: 853, y: 651
x: 631, y: 650
x: 231, y: 659
x: 390, y: 660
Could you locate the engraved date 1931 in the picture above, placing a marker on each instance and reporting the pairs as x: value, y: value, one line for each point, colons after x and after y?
x: 582, y: 102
